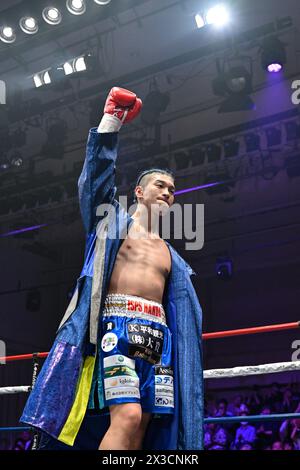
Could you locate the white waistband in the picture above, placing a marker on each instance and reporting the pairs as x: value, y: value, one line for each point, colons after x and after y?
x: 134, y: 307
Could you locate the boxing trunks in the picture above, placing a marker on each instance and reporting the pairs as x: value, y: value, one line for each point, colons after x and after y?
x: 134, y: 354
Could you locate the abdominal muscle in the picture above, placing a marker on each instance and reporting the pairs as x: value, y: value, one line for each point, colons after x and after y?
x: 141, y: 269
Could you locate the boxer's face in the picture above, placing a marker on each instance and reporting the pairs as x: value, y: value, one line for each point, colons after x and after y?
x: 158, y: 190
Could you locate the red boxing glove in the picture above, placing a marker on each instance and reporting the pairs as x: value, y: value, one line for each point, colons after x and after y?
x: 122, y: 104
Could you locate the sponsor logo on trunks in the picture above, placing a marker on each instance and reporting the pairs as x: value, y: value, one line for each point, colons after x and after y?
x: 126, y: 392
x: 117, y: 360
x: 164, y: 390
x: 120, y: 305
x: 109, y: 326
x: 163, y: 380
x: 146, y: 355
x: 146, y: 329
x: 137, y: 306
x: 109, y: 342
x: 164, y: 401
x: 122, y: 381
x: 118, y: 370
x: 145, y: 342
x: 159, y: 370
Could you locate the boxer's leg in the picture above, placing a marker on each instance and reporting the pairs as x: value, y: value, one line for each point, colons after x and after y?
x: 125, y: 422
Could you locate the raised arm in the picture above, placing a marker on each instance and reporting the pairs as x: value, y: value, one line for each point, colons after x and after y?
x: 96, y: 184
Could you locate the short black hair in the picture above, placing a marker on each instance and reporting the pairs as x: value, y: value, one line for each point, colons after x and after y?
x: 163, y: 171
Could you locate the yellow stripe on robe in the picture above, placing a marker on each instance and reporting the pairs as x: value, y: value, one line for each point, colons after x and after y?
x: 69, y: 431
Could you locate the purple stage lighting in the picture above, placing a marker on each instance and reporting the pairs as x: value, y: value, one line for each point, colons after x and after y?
x: 273, y: 54
x: 274, y: 68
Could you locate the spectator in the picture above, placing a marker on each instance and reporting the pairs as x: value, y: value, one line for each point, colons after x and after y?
x: 220, y: 438
x: 265, y: 431
x: 277, y: 445
x: 246, y: 446
x: 222, y: 408
x: 274, y: 398
x: 234, y: 408
x: 288, y: 445
x: 208, y: 433
x: 288, y: 404
x: 255, y: 400
x: 265, y: 435
x: 23, y: 442
x: 245, y: 433
x: 216, y: 437
x: 295, y: 434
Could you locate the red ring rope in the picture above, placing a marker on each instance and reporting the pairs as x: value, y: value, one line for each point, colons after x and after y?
x: 252, y: 331
x: 205, y: 336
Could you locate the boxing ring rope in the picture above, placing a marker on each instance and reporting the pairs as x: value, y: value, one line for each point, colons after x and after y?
x: 12, y: 390
x: 227, y: 419
x: 205, y: 336
x: 22, y: 357
x: 251, y: 331
x: 208, y: 374
x: 243, y: 371
x: 251, y: 418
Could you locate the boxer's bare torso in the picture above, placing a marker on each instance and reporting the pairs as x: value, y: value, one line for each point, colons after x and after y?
x: 142, y: 267
x: 144, y: 261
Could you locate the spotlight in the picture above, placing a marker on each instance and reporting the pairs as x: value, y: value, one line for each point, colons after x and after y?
x: 102, y: 2
x: 218, y: 15
x: 53, y: 77
x: 80, y: 64
x: 7, y: 34
x: 238, y: 80
x: 4, y: 165
x: 252, y: 142
x: 52, y: 15
x: 16, y: 160
x: 75, y: 65
x: 224, y: 268
x: 274, y: 68
x: 29, y: 25
x: 273, y: 136
x: 200, y: 22
x: 42, y: 78
x: 76, y: 7
x: 273, y: 55
x: 234, y: 80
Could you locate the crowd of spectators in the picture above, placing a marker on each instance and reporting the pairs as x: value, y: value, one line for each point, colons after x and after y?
x: 22, y: 441
x: 263, y: 435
